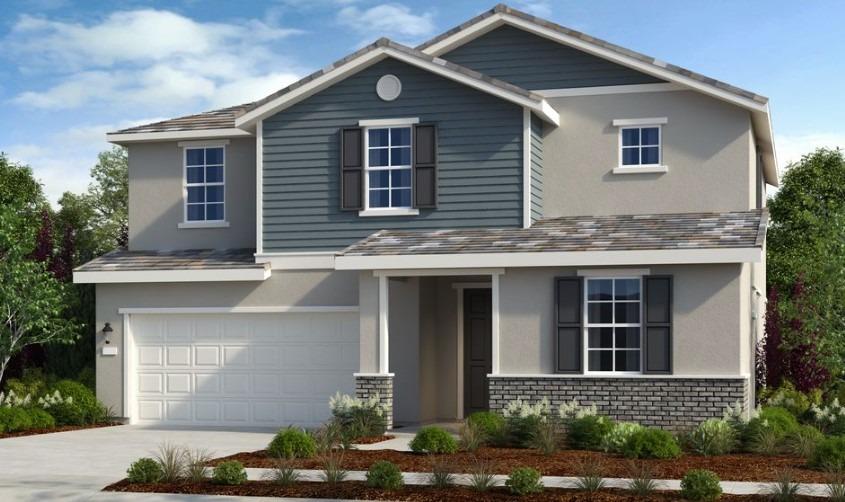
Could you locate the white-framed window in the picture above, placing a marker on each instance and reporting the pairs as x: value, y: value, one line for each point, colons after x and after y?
x: 613, y: 324
x: 205, y: 184
x: 388, y: 174
x: 640, y: 146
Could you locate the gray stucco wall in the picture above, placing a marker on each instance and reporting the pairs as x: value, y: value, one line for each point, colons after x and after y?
x: 479, y: 159
x: 156, y: 201
x: 707, y: 322
x: 308, y: 288
x: 533, y: 62
x: 706, y: 146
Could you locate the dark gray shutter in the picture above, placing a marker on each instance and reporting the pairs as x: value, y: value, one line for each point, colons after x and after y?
x: 657, y: 325
x: 351, y: 169
x: 569, y: 324
x: 425, y: 166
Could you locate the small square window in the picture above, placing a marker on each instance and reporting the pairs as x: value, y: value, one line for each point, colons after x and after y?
x: 640, y: 146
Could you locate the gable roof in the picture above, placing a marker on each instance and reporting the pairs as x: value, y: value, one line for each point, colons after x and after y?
x: 504, y: 15
x: 381, y: 49
x: 213, y: 123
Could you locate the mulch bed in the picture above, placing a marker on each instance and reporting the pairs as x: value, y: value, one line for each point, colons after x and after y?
x: 738, y: 467
x: 359, y: 491
x: 63, y: 428
x: 373, y: 439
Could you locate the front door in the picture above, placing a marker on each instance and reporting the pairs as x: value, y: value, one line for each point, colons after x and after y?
x: 478, y: 318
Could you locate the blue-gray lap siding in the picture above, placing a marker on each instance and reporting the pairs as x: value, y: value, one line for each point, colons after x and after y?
x: 479, y: 159
x: 533, y: 62
x: 536, y: 168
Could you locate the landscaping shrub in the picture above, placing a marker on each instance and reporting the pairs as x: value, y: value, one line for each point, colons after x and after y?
x: 789, y: 398
x: 780, y: 421
x: 433, y: 440
x: 491, y: 424
x: 481, y: 476
x: 14, y: 419
x: 229, y: 473
x: 359, y: 417
x: 712, y: 437
x: 830, y: 419
x: 385, y: 475
x: 32, y: 383
x: 283, y: 473
x: 292, y: 443
x: 618, y: 436
x: 642, y: 481
x: 40, y: 419
x: 829, y: 454
x: 524, y: 481
x: 651, y: 443
x: 441, y: 474
x: 785, y: 489
x: 144, y: 470
x: 589, y: 476
x: 82, y: 398
x: 545, y: 438
x: 472, y: 437
x: 195, y: 464
x: 333, y: 471
x: 522, y: 420
x: 700, y: 484
x: 588, y: 432
x: 803, y: 441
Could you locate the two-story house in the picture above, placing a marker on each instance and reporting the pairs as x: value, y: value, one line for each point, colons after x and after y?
x: 511, y: 210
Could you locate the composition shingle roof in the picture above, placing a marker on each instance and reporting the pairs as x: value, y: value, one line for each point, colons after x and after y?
x: 743, y: 229
x: 189, y: 259
x: 223, y: 118
x: 504, y: 9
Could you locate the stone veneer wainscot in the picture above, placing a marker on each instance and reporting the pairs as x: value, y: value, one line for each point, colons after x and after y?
x: 367, y: 385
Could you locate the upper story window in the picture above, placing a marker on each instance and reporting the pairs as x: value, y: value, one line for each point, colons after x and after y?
x: 640, y: 145
x: 388, y: 167
x: 613, y: 325
x: 205, y: 184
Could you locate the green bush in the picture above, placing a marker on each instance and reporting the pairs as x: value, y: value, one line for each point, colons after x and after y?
x: 803, y: 441
x: 712, y: 437
x: 32, y: 383
x: 618, y: 436
x: 385, y: 475
x: 292, y: 443
x: 88, y: 377
x: 67, y: 414
x: 433, y: 440
x: 229, y: 473
x: 82, y: 399
x: 41, y: 419
x: 358, y: 417
x: 144, y: 470
x: 491, y: 424
x: 588, y: 432
x: 778, y: 420
x: 651, y: 443
x: 524, y: 481
x: 14, y: 419
x: 829, y: 454
x: 796, y: 402
x: 700, y: 484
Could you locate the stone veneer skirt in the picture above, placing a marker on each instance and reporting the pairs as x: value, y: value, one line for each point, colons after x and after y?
x: 667, y: 402
x: 368, y: 385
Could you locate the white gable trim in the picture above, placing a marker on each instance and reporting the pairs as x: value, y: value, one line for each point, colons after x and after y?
x: 141, y: 137
x: 609, y: 89
x: 541, y: 108
x: 196, y: 275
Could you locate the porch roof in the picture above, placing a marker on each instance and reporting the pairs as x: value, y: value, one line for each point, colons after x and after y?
x: 680, y: 231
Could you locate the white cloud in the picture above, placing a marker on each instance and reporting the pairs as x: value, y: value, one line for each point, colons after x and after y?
x: 539, y: 8
x: 392, y: 20
x: 58, y: 171
x: 790, y: 148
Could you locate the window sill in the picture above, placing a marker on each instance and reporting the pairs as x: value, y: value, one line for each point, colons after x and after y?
x: 203, y: 224
x: 391, y: 211
x: 641, y: 170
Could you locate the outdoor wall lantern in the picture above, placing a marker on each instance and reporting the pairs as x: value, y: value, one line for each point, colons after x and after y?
x: 107, y: 331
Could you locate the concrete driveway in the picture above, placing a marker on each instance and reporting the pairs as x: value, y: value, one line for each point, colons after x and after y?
x: 76, y: 465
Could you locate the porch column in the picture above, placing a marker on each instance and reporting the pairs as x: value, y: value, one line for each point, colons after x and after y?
x: 494, y: 322
x: 380, y: 383
x: 383, y: 326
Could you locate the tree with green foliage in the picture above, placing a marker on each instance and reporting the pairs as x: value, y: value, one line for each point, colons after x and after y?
x: 805, y: 256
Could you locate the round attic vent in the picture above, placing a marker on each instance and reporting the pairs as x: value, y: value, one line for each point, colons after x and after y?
x: 389, y: 87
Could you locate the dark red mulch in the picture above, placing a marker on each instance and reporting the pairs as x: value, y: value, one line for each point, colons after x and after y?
x: 62, y: 428
x: 360, y: 491
x: 737, y: 467
x: 373, y: 439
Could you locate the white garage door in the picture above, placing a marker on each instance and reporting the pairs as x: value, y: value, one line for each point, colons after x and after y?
x: 240, y: 369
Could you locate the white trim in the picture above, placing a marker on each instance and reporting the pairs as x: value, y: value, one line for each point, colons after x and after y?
x: 526, y: 168
x: 494, y: 324
x: 609, y: 89
x: 128, y: 379
x: 640, y: 122
x: 388, y: 122
x: 141, y: 137
x: 203, y: 224
x: 276, y: 309
x: 460, y: 287
x: 313, y: 260
x: 383, y: 325
x: 389, y: 211
x: 373, y: 374
x: 210, y: 143
x: 195, y: 275
x: 436, y: 272
x: 259, y: 188
x: 437, y: 67
x: 616, y: 376
x: 549, y: 259
x: 613, y: 272
x: 659, y: 169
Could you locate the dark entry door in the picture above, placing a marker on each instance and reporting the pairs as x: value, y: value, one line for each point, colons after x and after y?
x: 478, y: 318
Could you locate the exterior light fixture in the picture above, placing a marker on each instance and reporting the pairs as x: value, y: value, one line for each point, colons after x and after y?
x: 107, y: 330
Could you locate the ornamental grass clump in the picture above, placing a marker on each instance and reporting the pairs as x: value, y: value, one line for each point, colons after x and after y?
x: 195, y: 464
x: 803, y: 441
x: 359, y: 417
x: 642, y: 482
x: 471, y: 435
x: 171, y: 459
x: 829, y: 454
x: 282, y: 473
x: 700, y: 485
x: 784, y: 489
x: 589, y: 476
x: 481, y: 476
x: 292, y: 442
x: 524, y: 481
x: 522, y: 420
x: 433, y: 440
x: 441, y: 475
x: 546, y: 437
x: 385, y: 475
x: 712, y: 437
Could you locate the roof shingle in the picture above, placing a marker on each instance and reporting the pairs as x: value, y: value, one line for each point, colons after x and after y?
x: 188, y: 259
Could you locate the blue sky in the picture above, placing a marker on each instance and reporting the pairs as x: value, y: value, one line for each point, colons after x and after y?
x: 72, y: 70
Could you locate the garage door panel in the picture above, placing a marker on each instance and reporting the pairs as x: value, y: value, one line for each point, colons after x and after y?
x: 242, y: 369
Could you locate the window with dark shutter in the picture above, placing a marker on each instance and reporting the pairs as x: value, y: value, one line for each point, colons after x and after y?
x: 657, y: 324
x: 425, y: 166
x: 351, y: 169
x: 569, y: 324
